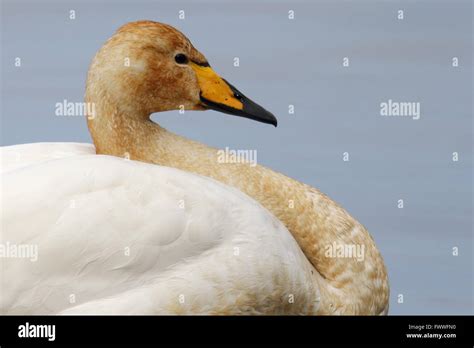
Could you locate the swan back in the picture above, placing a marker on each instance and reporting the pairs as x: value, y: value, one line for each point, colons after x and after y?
x: 119, y: 236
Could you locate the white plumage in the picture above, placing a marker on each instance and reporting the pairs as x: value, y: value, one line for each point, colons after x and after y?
x: 119, y: 236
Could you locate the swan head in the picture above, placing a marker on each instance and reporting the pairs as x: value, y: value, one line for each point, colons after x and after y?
x: 148, y: 67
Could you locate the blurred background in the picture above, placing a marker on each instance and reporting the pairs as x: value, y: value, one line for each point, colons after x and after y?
x: 299, y: 62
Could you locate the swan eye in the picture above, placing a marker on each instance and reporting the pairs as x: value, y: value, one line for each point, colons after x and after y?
x: 181, y: 58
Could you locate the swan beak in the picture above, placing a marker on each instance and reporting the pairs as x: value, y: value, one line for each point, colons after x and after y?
x: 218, y: 94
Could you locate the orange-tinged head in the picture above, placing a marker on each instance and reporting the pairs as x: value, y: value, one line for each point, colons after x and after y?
x: 149, y: 67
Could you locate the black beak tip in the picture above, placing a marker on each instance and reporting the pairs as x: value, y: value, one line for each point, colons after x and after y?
x: 257, y: 113
x: 250, y: 109
x: 273, y: 121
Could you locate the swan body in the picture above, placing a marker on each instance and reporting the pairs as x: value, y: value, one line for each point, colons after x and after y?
x: 147, y: 239
x: 165, y: 72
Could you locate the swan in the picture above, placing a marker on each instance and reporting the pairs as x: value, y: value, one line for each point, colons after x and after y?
x: 201, y: 236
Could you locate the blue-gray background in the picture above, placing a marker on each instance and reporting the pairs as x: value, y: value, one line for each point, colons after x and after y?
x: 299, y: 62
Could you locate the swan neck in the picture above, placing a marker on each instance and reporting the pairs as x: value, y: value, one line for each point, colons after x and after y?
x: 349, y: 272
x: 119, y: 131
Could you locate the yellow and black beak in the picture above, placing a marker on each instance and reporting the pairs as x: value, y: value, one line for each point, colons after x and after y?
x: 217, y: 94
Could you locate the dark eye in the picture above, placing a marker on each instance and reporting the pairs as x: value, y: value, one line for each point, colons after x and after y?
x: 181, y: 58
